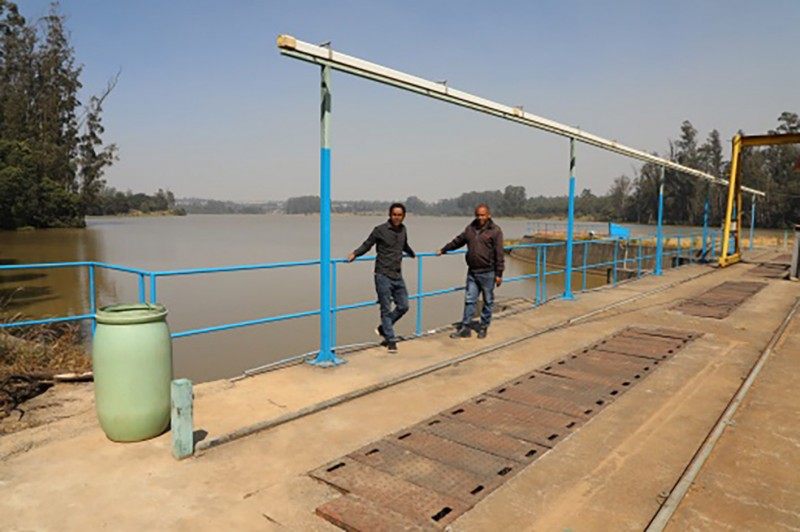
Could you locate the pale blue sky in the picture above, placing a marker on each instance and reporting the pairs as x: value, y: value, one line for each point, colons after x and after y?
x: 207, y: 107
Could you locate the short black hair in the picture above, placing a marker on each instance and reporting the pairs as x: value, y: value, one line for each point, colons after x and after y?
x: 394, y: 206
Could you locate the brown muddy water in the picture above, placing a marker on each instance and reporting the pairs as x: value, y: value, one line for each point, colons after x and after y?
x: 196, y: 301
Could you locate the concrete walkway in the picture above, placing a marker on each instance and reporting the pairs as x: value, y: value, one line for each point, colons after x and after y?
x: 611, y: 474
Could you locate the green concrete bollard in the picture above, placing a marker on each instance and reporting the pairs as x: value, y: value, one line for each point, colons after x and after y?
x: 182, y: 419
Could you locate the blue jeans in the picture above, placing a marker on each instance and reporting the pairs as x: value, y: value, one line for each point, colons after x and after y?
x: 482, y: 283
x: 389, y: 290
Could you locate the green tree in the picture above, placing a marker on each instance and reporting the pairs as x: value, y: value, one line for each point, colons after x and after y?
x: 52, y: 153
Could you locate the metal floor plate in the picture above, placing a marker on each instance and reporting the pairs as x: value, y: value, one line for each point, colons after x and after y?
x: 425, y: 476
x: 721, y: 300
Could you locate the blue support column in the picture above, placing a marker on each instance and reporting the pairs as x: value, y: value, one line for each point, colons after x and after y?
x: 570, y: 223
x: 659, y: 228
x: 705, y: 232
x: 92, y: 299
x: 419, y: 295
x: 326, y: 357
x: 752, y: 220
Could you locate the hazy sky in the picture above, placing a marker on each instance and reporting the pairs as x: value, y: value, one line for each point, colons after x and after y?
x: 207, y: 107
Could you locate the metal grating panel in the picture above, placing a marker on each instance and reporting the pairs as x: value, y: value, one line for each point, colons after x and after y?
x: 425, y: 476
x: 483, y: 439
x: 389, y: 491
x: 721, y: 300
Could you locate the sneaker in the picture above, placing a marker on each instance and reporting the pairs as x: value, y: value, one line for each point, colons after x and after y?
x: 462, y: 332
x: 392, y: 346
x: 482, y: 332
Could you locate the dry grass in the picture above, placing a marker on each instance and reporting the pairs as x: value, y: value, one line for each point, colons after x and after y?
x: 42, y: 349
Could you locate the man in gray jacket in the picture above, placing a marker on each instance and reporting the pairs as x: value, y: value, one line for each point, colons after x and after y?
x: 485, y: 265
x: 391, y: 241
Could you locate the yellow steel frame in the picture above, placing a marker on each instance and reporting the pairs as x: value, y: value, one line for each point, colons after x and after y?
x: 733, y: 227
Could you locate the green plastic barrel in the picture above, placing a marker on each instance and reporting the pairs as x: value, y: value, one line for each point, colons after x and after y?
x: 132, y: 362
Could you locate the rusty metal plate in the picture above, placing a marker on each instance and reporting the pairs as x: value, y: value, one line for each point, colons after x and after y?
x: 590, y: 396
x: 432, y: 474
x: 454, y: 454
x: 639, y: 348
x: 601, y: 362
x: 351, y: 512
x: 703, y: 311
x: 483, y: 439
x: 654, y: 340
x: 770, y: 270
x: 573, y: 405
x: 521, y: 421
x: 612, y: 381
x: 666, y: 333
x: 383, y: 489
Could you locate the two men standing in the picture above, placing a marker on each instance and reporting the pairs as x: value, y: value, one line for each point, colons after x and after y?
x: 485, y: 265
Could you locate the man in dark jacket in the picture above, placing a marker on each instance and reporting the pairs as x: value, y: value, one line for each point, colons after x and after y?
x: 391, y: 240
x: 485, y: 265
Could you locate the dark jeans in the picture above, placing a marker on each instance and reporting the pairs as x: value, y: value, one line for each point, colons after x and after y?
x: 389, y: 290
x: 482, y: 283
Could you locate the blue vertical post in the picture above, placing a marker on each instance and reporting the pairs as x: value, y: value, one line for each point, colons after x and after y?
x: 152, y: 288
x: 585, y: 258
x: 752, y: 220
x: 326, y: 356
x: 142, y: 297
x: 713, y: 245
x: 544, y: 274
x: 659, y: 228
x: 419, y: 295
x: 570, y: 223
x: 538, y: 275
x: 639, y: 260
x: 680, y: 248
x: 334, y: 304
x: 616, y: 247
x: 92, y: 298
x: 705, y: 231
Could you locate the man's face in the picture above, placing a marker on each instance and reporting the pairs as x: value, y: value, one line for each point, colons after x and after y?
x: 397, y: 216
x: 482, y: 215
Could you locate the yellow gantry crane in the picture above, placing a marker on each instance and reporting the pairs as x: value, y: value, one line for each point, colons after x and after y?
x: 733, y: 212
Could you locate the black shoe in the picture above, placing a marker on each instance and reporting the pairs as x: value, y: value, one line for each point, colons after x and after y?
x: 379, y: 331
x: 391, y: 346
x: 462, y: 332
x: 482, y: 332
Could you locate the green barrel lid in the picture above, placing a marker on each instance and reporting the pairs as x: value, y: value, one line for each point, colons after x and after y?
x: 131, y: 313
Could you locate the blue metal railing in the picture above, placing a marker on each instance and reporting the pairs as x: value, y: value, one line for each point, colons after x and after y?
x: 630, y: 263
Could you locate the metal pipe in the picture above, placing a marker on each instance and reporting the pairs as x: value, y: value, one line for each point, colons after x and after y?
x: 326, y: 357
x: 570, y: 223
x: 419, y: 291
x: 319, y: 55
x: 752, y: 221
x: 659, y: 228
x: 675, y: 497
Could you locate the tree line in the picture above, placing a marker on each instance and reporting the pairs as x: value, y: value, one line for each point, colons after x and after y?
x: 111, y: 201
x: 52, y: 156
x: 772, y: 169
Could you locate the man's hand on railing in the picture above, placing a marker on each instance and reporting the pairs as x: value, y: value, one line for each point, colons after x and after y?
x: 351, y: 257
x: 439, y: 252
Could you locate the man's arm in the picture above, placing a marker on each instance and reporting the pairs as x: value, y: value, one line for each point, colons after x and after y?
x: 499, y: 257
x: 363, y: 248
x: 408, y: 250
x: 456, y: 243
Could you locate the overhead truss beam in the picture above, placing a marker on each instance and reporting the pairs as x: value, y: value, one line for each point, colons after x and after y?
x: 325, y: 56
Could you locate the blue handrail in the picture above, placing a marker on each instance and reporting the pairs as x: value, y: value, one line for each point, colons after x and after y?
x: 540, y: 276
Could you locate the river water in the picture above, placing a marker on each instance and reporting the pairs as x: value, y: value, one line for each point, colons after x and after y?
x: 200, y: 241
